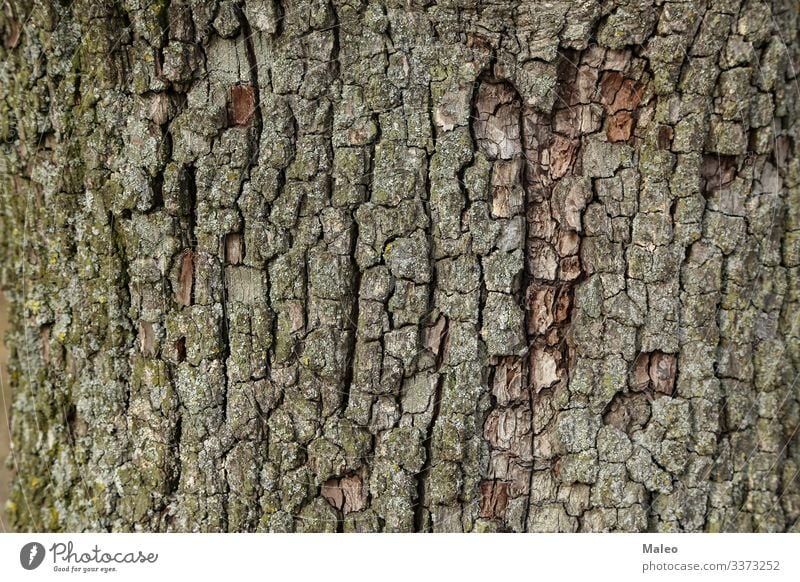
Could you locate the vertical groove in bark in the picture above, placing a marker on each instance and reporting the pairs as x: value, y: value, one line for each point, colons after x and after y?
x: 497, y: 122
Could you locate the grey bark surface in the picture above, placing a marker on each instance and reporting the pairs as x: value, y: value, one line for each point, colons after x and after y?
x: 305, y: 265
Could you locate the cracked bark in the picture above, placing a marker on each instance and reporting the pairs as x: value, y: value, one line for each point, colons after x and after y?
x: 397, y: 266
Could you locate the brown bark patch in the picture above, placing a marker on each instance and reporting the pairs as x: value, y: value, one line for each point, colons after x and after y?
x: 655, y: 371
x: 180, y: 349
x: 563, y: 304
x: 620, y: 126
x: 494, y: 499
x: 45, y: 336
x: 234, y: 248
x: 436, y: 339
x: 663, y: 369
x: 620, y: 97
x: 620, y: 94
x: 507, y: 383
x: 242, y: 104
x: 497, y: 130
x: 185, y: 279
x: 570, y: 268
x: 665, y: 135
x: 562, y: 155
x: 540, y: 314
x: 13, y: 29
x: 544, y: 368
x: 346, y: 494
x: 146, y: 339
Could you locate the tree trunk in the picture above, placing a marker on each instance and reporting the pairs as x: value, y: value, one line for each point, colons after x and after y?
x: 402, y: 265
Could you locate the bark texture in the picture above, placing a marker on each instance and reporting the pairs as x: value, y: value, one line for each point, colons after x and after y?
x: 413, y: 265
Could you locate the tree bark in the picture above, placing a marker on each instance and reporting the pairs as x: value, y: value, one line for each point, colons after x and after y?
x: 305, y: 265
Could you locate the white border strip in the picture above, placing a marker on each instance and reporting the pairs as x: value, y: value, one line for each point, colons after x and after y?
x: 381, y: 557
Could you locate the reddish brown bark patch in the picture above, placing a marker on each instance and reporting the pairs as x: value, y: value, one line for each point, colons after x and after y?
x: 563, y: 305
x: 620, y: 94
x: 620, y: 97
x: 562, y: 155
x: 494, y: 499
x: 620, y: 126
x: 242, y: 104
x: 185, y: 280
x: 654, y: 371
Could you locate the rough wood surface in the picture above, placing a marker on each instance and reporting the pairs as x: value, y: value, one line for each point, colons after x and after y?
x: 351, y: 265
x: 5, y: 405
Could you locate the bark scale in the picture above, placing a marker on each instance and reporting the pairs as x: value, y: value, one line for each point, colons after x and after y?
x: 402, y: 266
